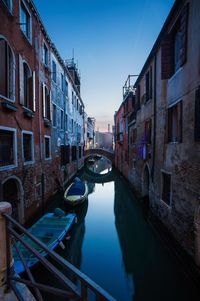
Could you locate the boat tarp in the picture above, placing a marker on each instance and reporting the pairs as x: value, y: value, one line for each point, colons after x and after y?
x: 77, y: 188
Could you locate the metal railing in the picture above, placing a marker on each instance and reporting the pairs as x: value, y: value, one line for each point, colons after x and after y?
x: 80, y: 290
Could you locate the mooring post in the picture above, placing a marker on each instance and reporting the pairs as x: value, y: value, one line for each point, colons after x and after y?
x: 5, y: 207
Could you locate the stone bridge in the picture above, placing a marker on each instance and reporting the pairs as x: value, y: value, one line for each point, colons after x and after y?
x: 100, y: 151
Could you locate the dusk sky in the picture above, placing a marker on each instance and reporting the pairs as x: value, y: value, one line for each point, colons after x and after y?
x: 111, y: 39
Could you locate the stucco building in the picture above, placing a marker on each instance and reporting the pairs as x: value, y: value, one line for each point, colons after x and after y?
x: 164, y: 131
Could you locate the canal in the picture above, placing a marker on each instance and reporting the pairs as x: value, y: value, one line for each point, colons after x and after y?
x: 114, y: 244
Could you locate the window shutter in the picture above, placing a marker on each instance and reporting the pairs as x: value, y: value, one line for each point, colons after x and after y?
x: 166, y: 57
x: 43, y: 100
x: 51, y: 106
x: 33, y: 86
x: 3, y: 68
x: 183, y: 29
x: 197, y: 116
x: 21, y: 80
x: 30, y: 92
x: 180, y: 109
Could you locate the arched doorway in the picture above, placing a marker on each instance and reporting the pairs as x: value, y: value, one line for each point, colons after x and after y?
x: 12, y: 192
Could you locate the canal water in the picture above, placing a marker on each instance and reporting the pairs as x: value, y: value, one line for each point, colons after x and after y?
x: 114, y: 245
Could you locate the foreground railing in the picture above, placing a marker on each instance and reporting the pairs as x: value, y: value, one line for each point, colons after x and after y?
x: 83, y: 287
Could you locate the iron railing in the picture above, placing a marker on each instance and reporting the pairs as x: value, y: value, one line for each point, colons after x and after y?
x: 81, y: 289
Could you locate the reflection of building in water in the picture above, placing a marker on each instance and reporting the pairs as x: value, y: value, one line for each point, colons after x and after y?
x: 101, y: 165
x: 91, y: 187
x: 134, y: 238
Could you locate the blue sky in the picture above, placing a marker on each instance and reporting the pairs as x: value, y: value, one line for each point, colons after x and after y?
x: 111, y: 39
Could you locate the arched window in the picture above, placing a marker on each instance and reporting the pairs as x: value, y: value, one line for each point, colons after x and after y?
x: 7, y: 71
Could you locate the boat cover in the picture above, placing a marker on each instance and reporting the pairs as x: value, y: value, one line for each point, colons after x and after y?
x: 77, y: 188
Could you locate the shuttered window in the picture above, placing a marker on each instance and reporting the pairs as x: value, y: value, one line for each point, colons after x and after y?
x: 166, y: 188
x: 7, y: 71
x: 65, y: 154
x: 174, y: 123
x: 47, y: 148
x: 197, y: 116
x: 174, y: 46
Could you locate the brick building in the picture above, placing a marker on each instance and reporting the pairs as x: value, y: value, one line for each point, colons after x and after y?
x: 164, y: 130
x: 38, y: 148
x: 122, y: 117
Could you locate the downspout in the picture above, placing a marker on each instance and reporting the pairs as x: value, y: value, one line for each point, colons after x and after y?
x: 154, y: 119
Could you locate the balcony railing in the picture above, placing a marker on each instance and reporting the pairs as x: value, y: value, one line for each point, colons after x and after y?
x: 78, y: 290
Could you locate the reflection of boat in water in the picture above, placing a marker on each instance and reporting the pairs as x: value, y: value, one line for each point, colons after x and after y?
x: 50, y: 230
x: 97, y: 157
x: 76, y: 193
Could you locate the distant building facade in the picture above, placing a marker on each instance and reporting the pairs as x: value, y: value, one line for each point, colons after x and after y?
x: 164, y: 128
x: 41, y: 112
x: 104, y: 140
x: 90, y: 132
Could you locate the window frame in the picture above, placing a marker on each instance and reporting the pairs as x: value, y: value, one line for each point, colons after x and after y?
x: 54, y: 73
x: 162, y: 185
x: 9, y: 6
x: 32, y: 147
x: 46, y: 64
x: 11, y: 166
x: 47, y: 137
x: 23, y: 5
x: 13, y: 75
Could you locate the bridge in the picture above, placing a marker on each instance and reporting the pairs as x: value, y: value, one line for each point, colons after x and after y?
x: 100, y: 151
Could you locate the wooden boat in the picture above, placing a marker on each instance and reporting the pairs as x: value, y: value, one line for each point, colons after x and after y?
x: 91, y: 161
x: 76, y: 193
x: 50, y: 229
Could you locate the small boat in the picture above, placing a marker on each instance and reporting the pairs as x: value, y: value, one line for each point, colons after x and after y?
x: 97, y: 157
x: 49, y: 229
x: 91, y: 161
x: 76, y: 193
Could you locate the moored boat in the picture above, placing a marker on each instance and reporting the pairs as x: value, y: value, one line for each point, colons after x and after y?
x: 50, y: 230
x: 76, y: 193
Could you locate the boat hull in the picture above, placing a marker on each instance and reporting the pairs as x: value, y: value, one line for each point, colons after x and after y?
x: 75, y: 200
x: 50, y: 230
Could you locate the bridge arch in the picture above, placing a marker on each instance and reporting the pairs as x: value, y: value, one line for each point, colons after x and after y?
x: 100, y: 151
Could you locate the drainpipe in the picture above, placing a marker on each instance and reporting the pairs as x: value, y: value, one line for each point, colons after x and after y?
x: 154, y: 119
x: 5, y: 244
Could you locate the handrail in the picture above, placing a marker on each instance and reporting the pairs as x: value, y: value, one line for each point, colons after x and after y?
x: 72, y: 291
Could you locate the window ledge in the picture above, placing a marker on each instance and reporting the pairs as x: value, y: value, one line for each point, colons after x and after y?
x: 47, y: 122
x: 28, y: 113
x: 29, y: 162
x: 9, y: 106
x: 8, y: 167
x: 175, y: 74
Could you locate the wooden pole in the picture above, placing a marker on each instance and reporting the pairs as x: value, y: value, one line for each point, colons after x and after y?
x: 5, y: 207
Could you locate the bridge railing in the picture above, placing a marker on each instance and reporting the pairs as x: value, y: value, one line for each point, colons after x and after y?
x: 78, y: 290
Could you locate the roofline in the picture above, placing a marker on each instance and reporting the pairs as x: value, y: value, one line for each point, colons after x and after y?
x: 53, y: 47
x: 156, y: 45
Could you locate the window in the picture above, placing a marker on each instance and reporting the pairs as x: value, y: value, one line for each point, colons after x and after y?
x: 138, y: 97
x: 66, y: 87
x: 66, y: 122
x: 174, y: 46
x: 175, y: 123
x: 166, y: 188
x: 25, y: 21
x: 28, y: 87
x: 147, y: 131
x: 7, y: 71
x: 148, y: 84
x: 62, y: 82
x: 47, y: 147
x: 80, y: 152
x: 73, y: 153
x: 45, y: 55
x: 72, y: 97
x: 28, y: 153
x: 61, y: 120
x: 65, y: 154
x: 46, y: 102
x: 9, y: 4
x: 8, y: 147
x: 133, y: 135
x: 54, y: 72
x: 54, y: 115
x: 197, y: 116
